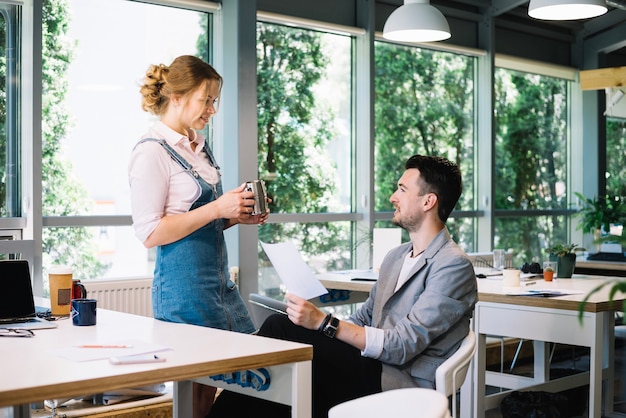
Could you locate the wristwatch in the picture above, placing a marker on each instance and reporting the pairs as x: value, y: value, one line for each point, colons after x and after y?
x: 330, y: 329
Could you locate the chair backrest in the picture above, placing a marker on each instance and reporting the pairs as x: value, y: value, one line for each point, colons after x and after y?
x: 263, y: 306
x: 486, y: 259
x: 397, y: 403
x: 451, y: 374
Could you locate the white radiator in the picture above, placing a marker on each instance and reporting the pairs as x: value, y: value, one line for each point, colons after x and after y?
x: 132, y: 296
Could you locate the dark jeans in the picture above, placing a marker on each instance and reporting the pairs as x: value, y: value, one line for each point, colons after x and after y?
x: 340, y: 373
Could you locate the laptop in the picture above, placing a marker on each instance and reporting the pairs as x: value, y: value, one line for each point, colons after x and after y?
x: 17, y: 304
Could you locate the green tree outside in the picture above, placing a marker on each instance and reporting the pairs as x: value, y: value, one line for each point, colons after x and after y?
x: 531, y: 161
x: 63, y: 194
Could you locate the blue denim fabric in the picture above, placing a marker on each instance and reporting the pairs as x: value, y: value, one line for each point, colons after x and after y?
x: 191, y: 280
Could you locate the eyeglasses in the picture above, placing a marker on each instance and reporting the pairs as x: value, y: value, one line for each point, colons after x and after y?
x: 10, y: 332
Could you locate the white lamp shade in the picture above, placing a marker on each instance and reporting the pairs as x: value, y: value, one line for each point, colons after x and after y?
x: 566, y: 9
x: 416, y: 21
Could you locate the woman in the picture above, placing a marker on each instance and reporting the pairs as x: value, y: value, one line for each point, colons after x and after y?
x: 177, y: 201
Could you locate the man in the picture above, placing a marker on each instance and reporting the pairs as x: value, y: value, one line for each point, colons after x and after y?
x: 415, y: 317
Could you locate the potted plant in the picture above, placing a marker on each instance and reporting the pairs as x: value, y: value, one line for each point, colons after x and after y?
x: 565, y: 256
x: 597, y: 215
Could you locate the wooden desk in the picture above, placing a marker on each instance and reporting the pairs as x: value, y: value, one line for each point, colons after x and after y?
x: 553, y: 319
x: 31, y: 372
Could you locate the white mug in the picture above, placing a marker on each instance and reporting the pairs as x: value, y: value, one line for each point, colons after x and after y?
x: 510, y: 277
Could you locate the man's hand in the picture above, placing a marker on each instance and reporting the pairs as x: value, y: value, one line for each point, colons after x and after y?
x: 304, y: 313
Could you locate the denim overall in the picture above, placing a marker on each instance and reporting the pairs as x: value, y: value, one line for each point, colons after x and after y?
x: 191, y: 280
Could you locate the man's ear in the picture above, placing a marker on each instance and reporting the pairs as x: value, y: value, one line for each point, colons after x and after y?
x: 430, y: 201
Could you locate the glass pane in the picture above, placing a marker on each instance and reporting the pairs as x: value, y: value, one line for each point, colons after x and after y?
x: 531, y: 161
x: 304, y: 117
x: 98, y: 106
x: 10, y: 138
x: 528, y: 236
x: 93, y: 118
x: 424, y: 105
x: 114, y: 252
x: 531, y: 141
x: 616, y: 157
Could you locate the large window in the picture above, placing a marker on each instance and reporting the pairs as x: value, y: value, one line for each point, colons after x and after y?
x: 10, y: 135
x: 424, y: 104
x: 92, y: 120
x: 531, y: 162
x: 310, y: 134
x: 305, y: 132
x: 616, y: 156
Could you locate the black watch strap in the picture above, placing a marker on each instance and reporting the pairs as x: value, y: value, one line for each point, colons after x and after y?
x: 324, y: 322
x: 330, y: 329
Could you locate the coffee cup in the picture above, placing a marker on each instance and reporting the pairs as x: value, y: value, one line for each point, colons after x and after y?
x: 510, y: 277
x: 61, y: 284
x: 84, y: 312
x: 260, y: 196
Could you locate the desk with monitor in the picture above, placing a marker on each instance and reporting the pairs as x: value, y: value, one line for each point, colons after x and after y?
x: 194, y: 354
x: 542, y: 320
x: 600, y: 267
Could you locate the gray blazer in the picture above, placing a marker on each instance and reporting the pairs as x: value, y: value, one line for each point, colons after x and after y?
x: 426, y: 319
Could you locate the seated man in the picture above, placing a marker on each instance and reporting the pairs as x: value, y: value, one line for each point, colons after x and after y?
x: 415, y: 317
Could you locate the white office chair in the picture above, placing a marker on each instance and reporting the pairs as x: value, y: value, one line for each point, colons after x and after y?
x: 263, y: 306
x: 451, y: 374
x: 398, y: 403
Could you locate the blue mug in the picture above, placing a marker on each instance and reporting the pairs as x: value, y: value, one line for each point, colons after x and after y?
x: 83, y: 312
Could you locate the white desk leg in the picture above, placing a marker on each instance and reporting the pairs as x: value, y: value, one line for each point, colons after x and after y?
x: 595, y: 367
x: 183, y: 399
x: 541, y: 362
x: 608, y: 361
x: 301, y: 380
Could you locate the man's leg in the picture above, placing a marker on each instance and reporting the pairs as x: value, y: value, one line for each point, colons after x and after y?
x: 339, y: 372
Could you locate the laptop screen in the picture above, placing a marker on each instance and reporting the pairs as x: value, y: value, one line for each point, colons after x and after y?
x: 16, y: 292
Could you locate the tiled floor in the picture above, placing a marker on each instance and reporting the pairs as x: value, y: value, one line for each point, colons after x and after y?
x: 579, y: 360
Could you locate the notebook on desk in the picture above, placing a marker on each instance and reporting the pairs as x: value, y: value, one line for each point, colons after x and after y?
x: 17, y: 304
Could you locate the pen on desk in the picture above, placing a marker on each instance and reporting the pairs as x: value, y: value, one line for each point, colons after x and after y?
x: 104, y: 346
x: 528, y: 283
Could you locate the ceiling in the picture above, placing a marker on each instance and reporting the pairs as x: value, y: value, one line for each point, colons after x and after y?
x: 513, y: 15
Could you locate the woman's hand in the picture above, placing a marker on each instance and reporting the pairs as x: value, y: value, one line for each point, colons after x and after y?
x: 236, y: 204
x: 304, y: 313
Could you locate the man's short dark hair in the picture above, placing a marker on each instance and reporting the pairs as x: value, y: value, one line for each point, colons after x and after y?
x: 441, y: 177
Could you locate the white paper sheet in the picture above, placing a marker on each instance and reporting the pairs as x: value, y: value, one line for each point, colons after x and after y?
x: 293, y: 271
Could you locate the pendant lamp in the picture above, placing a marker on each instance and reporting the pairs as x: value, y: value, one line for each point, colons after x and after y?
x: 416, y: 21
x: 566, y: 9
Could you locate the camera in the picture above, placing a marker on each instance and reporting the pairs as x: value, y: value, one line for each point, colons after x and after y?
x: 533, y: 268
